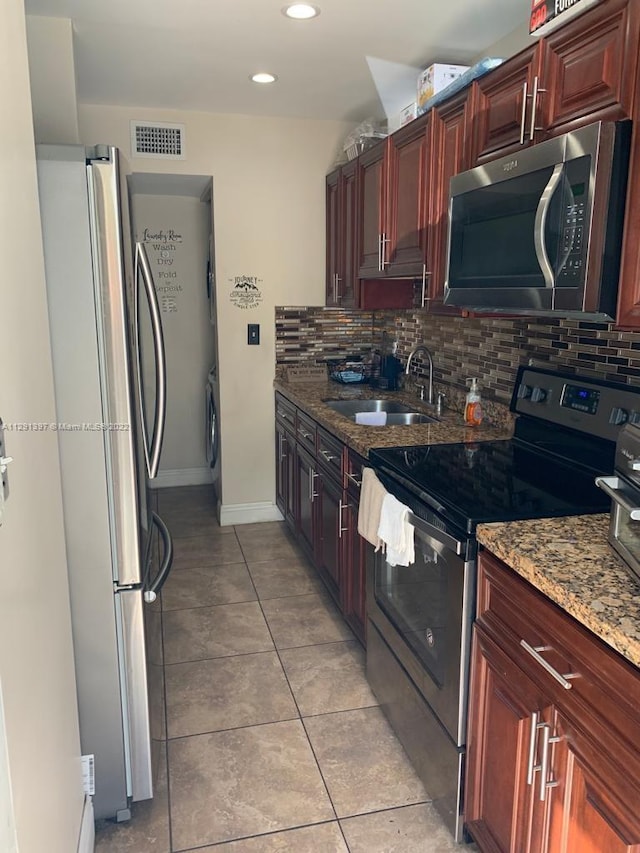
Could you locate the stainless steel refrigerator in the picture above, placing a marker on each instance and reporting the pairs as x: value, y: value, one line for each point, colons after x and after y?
x: 100, y: 296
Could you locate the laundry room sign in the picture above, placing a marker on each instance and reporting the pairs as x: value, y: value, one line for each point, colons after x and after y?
x: 164, y: 246
x: 245, y: 293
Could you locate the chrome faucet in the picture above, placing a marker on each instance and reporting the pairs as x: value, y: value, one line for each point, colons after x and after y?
x: 413, y: 352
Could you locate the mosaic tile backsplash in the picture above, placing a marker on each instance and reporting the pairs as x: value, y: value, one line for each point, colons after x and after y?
x: 491, y: 349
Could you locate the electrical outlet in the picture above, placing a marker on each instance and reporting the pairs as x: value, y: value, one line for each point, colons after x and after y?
x: 253, y: 333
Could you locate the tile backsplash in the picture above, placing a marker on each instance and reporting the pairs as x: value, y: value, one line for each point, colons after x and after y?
x: 491, y: 348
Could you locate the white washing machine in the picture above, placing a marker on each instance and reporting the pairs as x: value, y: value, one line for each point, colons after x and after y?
x: 212, y: 429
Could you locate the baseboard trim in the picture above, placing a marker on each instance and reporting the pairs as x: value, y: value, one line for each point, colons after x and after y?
x: 87, y: 840
x: 249, y: 513
x: 182, y: 477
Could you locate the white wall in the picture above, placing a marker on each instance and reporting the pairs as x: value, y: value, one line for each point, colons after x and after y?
x: 270, y: 223
x: 36, y: 656
x: 511, y: 44
x: 53, y: 80
x: 188, y: 337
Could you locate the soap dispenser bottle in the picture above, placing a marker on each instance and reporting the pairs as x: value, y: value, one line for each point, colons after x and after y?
x: 473, y: 404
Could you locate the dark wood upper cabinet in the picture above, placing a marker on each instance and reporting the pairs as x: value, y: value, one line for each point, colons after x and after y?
x: 371, y: 208
x: 502, y: 108
x: 589, y: 67
x: 341, y: 211
x: 450, y: 147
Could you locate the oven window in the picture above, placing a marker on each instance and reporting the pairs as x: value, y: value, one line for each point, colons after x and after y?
x: 628, y: 532
x: 415, y: 598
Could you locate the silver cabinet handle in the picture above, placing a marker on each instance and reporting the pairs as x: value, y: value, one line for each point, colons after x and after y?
x: 383, y: 253
x: 354, y: 480
x: 612, y: 487
x: 336, y: 288
x: 540, y: 224
x: 423, y: 296
x: 152, y: 455
x: 534, y: 651
x: 546, y: 783
x: 312, y: 476
x: 328, y: 456
x: 283, y: 441
x: 523, y: 117
x: 341, y: 529
x: 533, y: 736
x: 537, y: 90
x: 379, y: 252
x: 306, y: 435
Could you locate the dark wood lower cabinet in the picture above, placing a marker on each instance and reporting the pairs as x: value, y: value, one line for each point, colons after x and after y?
x: 550, y: 767
x: 329, y: 543
x: 318, y: 492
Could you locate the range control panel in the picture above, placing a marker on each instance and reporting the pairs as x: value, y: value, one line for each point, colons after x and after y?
x: 592, y: 406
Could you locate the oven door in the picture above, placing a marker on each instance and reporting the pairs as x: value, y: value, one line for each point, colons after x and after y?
x: 424, y: 612
x: 624, y: 526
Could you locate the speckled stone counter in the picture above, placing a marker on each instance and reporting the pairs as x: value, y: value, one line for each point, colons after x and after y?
x: 571, y: 562
x: 310, y: 398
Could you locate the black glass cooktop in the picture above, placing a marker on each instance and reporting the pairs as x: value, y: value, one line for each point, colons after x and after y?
x: 489, y: 481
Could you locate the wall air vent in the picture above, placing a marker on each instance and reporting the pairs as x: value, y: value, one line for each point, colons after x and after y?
x: 158, y: 139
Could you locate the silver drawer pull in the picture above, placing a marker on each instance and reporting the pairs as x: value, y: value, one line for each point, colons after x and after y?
x: 533, y: 736
x: 341, y: 529
x: 328, y: 456
x: 534, y: 651
x: 306, y: 435
x: 611, y: 486
x: 354, y: 479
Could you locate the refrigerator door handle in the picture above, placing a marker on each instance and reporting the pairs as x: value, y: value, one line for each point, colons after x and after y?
x: 158, y: 582
x: 152, y: 454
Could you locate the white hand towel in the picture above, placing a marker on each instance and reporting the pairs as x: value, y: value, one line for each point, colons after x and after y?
x: 396, y: 532
x: 372, y: 494
x: 371, y: 418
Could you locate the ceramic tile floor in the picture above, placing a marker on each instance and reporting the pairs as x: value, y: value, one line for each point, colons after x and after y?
x: 274, y: 738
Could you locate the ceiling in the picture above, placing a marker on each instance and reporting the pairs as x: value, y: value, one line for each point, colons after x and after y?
x: 199, y: 54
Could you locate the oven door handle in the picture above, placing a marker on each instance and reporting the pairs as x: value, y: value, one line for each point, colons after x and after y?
x: 613, y: 487
x: 409, y: 486
x: 437, y: 539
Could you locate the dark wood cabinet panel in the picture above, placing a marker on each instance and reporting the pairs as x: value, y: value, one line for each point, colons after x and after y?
x: 341, y: 212
x: 450, y: 151
x: 590, y: 67
x: 358, y: 552
x: 404, y: 230
x: 502, y: 106
x: 501, y: 810
x: 329, y: 538
x: 371, y: 201
x: 333, y: 205
x: 306, y: 501
x: 571, y: 736
x: 285, y: 474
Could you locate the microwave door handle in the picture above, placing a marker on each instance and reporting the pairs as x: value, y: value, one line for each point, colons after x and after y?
x: 541, y: 223
x: 143, y: 265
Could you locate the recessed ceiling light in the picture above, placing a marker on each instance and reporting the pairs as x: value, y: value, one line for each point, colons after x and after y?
x: 263, y: 77
x: 301, y: 11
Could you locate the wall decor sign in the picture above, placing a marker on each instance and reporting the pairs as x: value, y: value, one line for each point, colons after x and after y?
x: 548, y: 14
x: 245, y: 293
x: 165, y: 245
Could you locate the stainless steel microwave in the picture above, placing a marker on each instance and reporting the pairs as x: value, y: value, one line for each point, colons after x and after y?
x: 540, y: 230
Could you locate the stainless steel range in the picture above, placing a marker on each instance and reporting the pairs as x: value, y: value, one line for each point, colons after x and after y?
x: 420, y: 617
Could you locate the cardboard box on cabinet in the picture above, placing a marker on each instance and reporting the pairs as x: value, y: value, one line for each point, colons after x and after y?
x: 435, y: 78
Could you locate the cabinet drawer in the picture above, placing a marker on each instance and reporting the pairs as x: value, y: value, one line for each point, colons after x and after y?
x: 330, y: 454
x: 353, y: 472
x: 286, y: 413
x: 602, y: 683
x: 306, y: 432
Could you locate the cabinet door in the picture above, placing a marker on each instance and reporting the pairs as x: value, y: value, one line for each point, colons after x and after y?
x: 502, y: 812
x: 281, y: 469
x: 347, y: 276
x: 589, y: 67
x: 451, y: 151
x: 593, y: 807
x: 334, y: 187
x: 306, y: 497
x: 503, y: 106
x: 329, y: 542
x: 372, y: 188
x: 408, y: 187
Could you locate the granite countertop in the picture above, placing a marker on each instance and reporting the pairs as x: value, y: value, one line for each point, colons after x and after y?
x: 571, y: 562
x: 310, y: 398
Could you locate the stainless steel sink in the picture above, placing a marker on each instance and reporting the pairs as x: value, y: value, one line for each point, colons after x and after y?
x: 397, y: 413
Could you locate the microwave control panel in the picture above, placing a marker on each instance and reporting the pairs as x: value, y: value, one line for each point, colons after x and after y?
x: 590, y: 405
